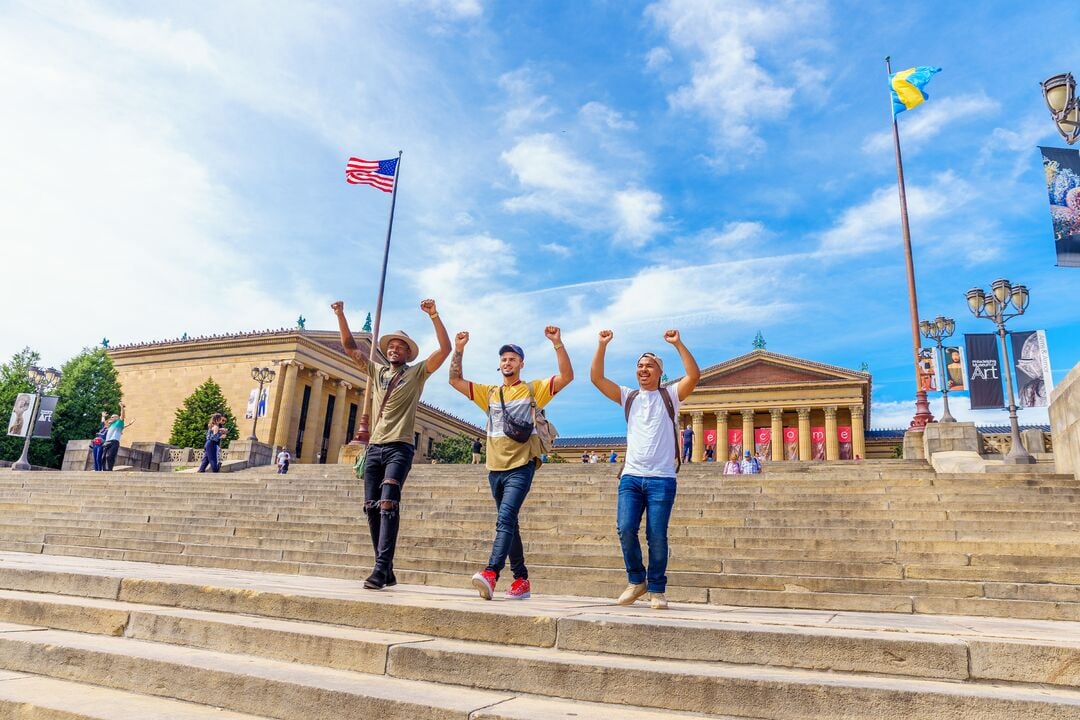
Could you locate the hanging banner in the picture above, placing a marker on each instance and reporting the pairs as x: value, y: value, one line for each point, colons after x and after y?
x: 1031, y: 360
x: 984, y: 371
x: 954, y: 374
x: 927, y: 364
x: 249, y: 413
x: 763, y: 442
x: 710, y: 437
x: 43, y: 424
x: 843, y: 435
x: 19, y: 423
x: 734, y: 439
x: 817, y: 443
x: 1062, y: 169
x: 791, y: 443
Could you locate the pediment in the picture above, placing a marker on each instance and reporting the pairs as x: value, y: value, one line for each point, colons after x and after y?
x: 764, y: 368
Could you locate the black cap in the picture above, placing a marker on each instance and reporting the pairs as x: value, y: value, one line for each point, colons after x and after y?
x: 512, y: 348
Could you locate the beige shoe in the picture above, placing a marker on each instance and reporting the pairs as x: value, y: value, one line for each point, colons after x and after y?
x: 657, y: 601
x: 631, y: 594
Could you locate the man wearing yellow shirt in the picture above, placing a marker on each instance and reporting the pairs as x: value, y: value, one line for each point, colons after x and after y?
x: 511, y: 462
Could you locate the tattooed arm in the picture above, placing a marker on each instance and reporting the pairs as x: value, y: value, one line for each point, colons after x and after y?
x: 456, y: 380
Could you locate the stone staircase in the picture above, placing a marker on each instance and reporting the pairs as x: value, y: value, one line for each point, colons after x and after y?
x: 876, y: 590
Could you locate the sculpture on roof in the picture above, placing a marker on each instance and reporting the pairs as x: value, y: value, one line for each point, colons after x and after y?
x: 300, y: 322
x: 759, y: 341
x: 105, y: 342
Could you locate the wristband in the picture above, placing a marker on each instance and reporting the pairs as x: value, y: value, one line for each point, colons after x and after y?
x: 433, y: 315
x: 559, y: 346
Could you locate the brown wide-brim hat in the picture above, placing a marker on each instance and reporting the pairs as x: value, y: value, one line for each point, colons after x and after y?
x: 384, y: 341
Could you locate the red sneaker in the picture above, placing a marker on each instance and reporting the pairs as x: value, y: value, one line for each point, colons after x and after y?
x: 519, y: 590
x: 484, y: 581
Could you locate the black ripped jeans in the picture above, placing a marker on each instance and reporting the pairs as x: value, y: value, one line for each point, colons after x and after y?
x: 384, y: 464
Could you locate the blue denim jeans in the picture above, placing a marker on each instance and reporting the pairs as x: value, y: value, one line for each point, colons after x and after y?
x: 509, y: 488
x: 653, y: 496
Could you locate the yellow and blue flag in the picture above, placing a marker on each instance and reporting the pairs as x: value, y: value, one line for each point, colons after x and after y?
x: 907, y: 87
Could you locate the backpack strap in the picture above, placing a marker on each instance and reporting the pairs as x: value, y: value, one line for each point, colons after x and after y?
x: 632, y: 395
x: 390, y: 386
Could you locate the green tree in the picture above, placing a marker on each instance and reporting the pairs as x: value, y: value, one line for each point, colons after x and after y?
x: 89, y: 386
x: 455, y: 449
x: 13, y: 380
x: 189, y: 428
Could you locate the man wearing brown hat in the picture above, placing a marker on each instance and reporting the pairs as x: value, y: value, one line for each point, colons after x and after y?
x: 396, y: 388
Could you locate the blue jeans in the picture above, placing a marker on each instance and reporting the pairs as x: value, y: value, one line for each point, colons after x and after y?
x: 653, y: 496
x: 509, y: 488
x: 210, y: 457
x: 99, y: 456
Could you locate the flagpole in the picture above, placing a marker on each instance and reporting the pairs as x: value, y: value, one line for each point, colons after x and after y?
x: 922, y: 406
x: 363, y: 430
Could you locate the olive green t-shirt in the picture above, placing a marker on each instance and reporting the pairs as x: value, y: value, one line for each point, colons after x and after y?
x: 399, y: 416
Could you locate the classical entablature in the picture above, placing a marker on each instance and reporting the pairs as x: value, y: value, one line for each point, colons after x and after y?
x: 819, y: 410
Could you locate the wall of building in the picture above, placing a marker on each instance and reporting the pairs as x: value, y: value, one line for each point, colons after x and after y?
x: 1065, y: 423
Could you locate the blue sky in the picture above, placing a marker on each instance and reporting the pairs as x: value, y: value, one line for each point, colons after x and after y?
x: 721, y: 168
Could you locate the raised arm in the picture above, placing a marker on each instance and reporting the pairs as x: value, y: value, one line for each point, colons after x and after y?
x: 456, y: 380
x: 693, y: 374
x: 596, y: 373
x: 566, y: 371
x: 348, y: 342
x: 123, y: 413
x: 437, y: 358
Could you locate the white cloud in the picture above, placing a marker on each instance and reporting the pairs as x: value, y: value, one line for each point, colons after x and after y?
x: 929, y: 119
x: 557, y: 249
x: 738, y: 235
x: 562, y: 184
x: 657, y: 58
x: 730, y: 83
x: 599, y: 116
x: 875, y: 223
x: 525, y: 107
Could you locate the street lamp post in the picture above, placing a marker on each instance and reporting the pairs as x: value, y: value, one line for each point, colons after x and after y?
x: 264, y: 376
x: 996, y: 306
x: 937, y: 330
x: 43, y: 381
x: 1059, y: 92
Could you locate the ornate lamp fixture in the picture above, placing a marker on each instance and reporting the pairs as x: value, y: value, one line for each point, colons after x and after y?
x: 938, y: 330
x: 1004, y: 301
x: 43, y: 380
x: 263, y: 376
x: 1059, y: 92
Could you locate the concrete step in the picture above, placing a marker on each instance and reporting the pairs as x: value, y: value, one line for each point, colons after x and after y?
x: 34, y: 697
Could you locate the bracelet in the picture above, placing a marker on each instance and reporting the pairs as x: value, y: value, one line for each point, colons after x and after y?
x: 559, y: 346
x: 433, y: 315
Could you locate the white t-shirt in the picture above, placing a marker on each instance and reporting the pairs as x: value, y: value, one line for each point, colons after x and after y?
x: 283, y: 457
x: 650, y: 435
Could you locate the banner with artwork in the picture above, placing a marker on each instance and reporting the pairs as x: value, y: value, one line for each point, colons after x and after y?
x: 1031, y: 360
x: 791, y: 443
x: 710, y: 438
x: 250, y: 412
x: 984, y: 371
x: 817, y: 443
x: 763, y: 442
x: 927, y: 369
x: 21, y: 413
x: 954, y: 374
x: 46, y: 409
x: 734, y: 440
x: 1062, y: 168
x: 843, y: 435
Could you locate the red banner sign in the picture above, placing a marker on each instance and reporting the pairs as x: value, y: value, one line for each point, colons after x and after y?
x: 762, y: 435
x: 734, y: 438
x: 843, y: 434
x: 710, y: 437
x: 817, y: 443
x: 791, y: 443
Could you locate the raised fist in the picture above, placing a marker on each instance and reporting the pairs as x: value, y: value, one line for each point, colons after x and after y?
x: 606, y: 336
x: 428, y: 306
x: 672, y: 336
x: 338, y: 307
x: 461, y: 340
x: 553, y: 334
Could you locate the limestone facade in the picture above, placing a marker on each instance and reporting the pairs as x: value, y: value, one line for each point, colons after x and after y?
x: 314, y: 402
x: 1065, y: 423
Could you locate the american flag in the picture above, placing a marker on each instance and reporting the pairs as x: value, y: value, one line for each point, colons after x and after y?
x: 377, y: 173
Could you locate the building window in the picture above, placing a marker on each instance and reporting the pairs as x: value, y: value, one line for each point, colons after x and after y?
x: 430, y: 446
x: 416, y: 441
x: 351, y: 432
x: 303, y: 421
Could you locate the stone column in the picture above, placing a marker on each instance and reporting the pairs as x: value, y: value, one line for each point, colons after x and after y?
x: 858, y: 432
x: 314, y: 425
x: 777, y: 415
x: 722, y: 449
x: 283, y: 412
x: 748, y: 430
x: 698, y: 418
x: 832, y: 443
x: 337, y: 423
x: 806, y: 451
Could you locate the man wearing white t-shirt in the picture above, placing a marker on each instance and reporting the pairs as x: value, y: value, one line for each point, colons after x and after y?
x: 647, y: 482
